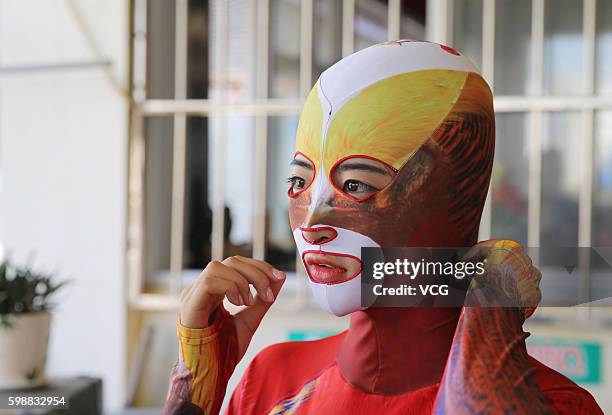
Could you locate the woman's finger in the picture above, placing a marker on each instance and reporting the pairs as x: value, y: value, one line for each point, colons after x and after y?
x: 217, y: 285
x: 254, y: 275
x: 274, y: 274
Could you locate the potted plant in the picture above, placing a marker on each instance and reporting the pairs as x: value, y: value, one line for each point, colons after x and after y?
x: 24, y: 325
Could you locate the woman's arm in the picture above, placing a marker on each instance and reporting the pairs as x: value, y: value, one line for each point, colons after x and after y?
x: 207, y: 358
x: 488, y: 369
x: 211, y: 341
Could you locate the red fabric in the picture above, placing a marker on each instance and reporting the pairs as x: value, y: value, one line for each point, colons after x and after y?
x: 279, y: 373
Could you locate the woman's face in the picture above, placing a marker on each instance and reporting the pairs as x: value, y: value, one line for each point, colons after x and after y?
x: 364, y: 202
x: 371, y: 168
x: 356, y: 178
x: 370, y: 201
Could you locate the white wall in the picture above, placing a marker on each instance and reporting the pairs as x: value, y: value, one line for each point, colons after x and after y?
x: 63, y: 174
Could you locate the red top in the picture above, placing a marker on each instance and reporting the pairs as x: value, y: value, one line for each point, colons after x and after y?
x: 304, y: 378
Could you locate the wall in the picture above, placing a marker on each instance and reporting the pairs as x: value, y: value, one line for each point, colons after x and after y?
x: 63, y: 171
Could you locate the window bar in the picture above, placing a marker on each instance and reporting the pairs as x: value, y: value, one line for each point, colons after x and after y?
x: 394, y: 17
x: 535, y: 125
x: 306, y: 12
x: 262, y: 12
x: 136, y: 161
x: 450, y: 20
x: 206, y: 107
x: 550, y: 103
x: 348, y: 27
x: 437, y: 24
x: 586, y: 189
x: 179, y: 148
x: 306, y: 62
x: 135, y: 248
x: 156, y: 302
x: 218, y: 223
x: 488, y: 72
x: 139, y: 51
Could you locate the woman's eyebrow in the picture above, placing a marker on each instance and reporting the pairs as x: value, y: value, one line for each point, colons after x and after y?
x: 362, y: 166
x: 300, y: 163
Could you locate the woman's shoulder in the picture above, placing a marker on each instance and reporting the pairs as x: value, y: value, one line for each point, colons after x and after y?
x: 564, y: 395
x: 305, y: 356
x: 281, y: 370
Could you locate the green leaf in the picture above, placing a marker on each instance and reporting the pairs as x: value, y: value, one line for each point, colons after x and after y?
x: 23, y: 290
x: 32, y: 374
x: 5, y: 322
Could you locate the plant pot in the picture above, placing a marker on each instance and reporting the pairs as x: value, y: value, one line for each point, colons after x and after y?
x: 24, y: 340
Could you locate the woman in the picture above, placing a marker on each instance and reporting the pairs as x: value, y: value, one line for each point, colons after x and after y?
x: 394, y: 149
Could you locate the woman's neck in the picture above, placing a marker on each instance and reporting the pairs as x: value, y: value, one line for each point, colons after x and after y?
x: 390, y: 351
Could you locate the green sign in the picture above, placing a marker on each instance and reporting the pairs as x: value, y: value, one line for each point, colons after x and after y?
x: 298, y: 335
x: 578, y: 360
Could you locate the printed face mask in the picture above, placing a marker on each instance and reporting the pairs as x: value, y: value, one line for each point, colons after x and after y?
x: 394, y: 148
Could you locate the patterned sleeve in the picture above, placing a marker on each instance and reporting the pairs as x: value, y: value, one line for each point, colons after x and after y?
x: 207, y: 358
x: 573, y: 401
x: 488, y: 369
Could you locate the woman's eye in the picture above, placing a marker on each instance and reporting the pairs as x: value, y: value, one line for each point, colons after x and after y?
x: 297, y: 183
x: 355, y: 186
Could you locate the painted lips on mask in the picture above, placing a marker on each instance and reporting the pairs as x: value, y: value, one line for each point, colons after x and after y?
x: 334, y: 267
x: 330, y: 268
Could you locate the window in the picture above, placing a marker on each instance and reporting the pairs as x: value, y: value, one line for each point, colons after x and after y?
x: 218, y: 86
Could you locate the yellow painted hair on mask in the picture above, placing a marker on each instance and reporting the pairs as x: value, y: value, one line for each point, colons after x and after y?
x: 392, y: 118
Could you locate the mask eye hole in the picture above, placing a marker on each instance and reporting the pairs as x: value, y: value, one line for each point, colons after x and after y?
x: 360, y: 177
x: 302, y: 174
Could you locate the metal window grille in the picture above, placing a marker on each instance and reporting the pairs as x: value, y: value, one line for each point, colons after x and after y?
x: 439, y: 28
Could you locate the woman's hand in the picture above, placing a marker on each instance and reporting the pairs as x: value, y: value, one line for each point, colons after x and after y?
x: 510, y: 278
x: 232, y: 278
